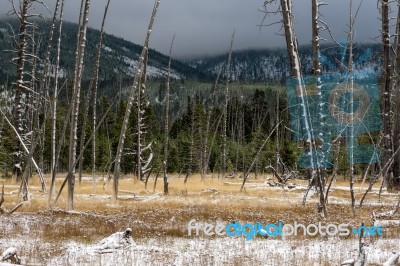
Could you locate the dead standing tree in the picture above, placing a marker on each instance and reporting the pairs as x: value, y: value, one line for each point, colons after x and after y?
x: 21, y: 86
x: 54, y: 160
x: 24, y: 92
x: 386, y: 88
x: 285, y: 11
x: 138, y: 76
x: 92, y: 90
x: 396, y: 113
x: 143, y: 164
x: 225, y: 110
x: 166, y: 119
x: 75, y: 101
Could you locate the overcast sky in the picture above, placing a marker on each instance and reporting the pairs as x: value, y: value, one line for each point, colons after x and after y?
x: 204, y: 27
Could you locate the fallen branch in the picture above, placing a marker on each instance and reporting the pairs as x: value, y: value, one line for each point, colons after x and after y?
x: 4, y: 210
x: 257, y: 155
x: 39, y: 171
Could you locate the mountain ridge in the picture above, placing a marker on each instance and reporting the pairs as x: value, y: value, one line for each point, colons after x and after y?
x: 119, y: 57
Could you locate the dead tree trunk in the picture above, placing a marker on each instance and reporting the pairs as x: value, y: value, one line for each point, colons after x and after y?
x: 207, y: 153
x: 76, y: 100
x: 92, y: 89
x: 396, y: 119
x: 18, y: 120
x: 386, y: 92
x: 138, y: 76
x: 166, y: 120
x: 225, y: 111
x: 54, y: 109
x: 293, y: 52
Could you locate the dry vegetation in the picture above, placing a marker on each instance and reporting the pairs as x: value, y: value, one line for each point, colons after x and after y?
x: 155, y: 216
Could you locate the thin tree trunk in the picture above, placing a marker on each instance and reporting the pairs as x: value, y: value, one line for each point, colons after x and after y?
x: 76, y: 101
x: 166, y: 120
x: 209, y: 113
x: 54, y: 109
x: 92, y: 89
x: 71, y: 169
x: 351, y: 148
x: 256, y: 158
x: 225, y: 111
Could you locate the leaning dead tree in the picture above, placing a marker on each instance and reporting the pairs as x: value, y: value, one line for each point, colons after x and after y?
x: 138, y: 75
x: 256, y: 158
x: 285, y: 11
x: 3, y: 210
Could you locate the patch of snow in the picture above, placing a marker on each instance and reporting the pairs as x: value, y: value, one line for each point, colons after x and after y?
x: 108, y: 49
x: 116, y: 240
x: 151, y: 70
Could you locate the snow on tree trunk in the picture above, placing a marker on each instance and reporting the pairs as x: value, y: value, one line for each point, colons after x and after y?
x: 386, y: 92
x: 18, y: 111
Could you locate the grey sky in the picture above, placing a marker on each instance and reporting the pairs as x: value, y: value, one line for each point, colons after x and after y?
x: 204, y: 27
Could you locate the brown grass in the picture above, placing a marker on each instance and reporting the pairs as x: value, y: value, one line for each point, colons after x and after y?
x: 153, y: 214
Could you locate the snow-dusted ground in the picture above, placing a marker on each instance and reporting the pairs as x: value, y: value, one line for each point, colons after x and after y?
x: 200, y: 251
x: 57, y: 237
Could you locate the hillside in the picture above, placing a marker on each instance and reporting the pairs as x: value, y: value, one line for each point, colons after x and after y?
x: 272, y: 65
x: 118, y: 60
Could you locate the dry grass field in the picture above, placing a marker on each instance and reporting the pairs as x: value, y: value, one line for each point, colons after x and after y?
x: 50, y: 234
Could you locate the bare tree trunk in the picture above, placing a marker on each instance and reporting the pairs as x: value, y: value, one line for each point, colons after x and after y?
x: 92, y: 89
x: 209, y: 113
x: 256, y: 158
x: 34, y: 118
x: 76, y: 100
x: 293, y: 52
x: 71, y: 169
x: 351, y: 148
x: 54, y: 109
x: 19, y: 86
x: 44, y: 84
x: 166, y: 120
x: 225, y: 111
x: 191, y: 148
x: 386, y: 92
x: 396, y: 113
x: 138, y: 75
